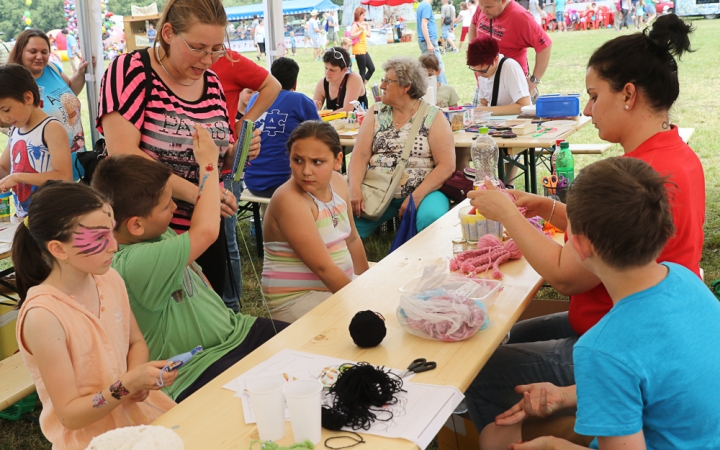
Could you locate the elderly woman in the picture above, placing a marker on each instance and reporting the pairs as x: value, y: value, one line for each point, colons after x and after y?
x: 58, y: 92
x: 382, y: 139
x: 339, y: 86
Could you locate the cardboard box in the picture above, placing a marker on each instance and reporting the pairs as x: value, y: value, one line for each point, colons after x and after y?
x: 458, y: 433
x: 8, y: 343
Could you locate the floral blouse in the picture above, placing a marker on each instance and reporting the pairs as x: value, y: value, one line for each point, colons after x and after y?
x: 389, y: 143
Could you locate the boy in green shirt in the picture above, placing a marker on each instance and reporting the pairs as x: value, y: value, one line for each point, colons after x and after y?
x: 172, y: 300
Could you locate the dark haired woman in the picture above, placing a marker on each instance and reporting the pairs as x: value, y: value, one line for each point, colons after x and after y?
x: 312, y: 248
x: 633, y: 82
x: 59, y: 92
x: 339, y: 86
x: 76, y: 332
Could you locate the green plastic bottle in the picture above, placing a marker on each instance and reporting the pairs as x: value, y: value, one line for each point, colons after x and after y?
x: 565, y: 164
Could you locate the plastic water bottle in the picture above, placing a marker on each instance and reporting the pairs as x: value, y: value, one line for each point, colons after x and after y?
x: 565, y: 162
x: 484, y: 153
x: 553, y: 158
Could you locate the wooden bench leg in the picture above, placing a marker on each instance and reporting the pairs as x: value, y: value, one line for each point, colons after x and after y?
x: 258, y: 230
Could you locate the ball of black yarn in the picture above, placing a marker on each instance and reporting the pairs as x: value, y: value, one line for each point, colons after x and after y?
x: 367, y: 329
x: 358, y: 389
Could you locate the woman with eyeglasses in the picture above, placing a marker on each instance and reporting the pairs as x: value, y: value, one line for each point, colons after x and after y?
x: 484, y: 58
x: 339, y: 86
x: 381, y: 141
x: 182, y: 92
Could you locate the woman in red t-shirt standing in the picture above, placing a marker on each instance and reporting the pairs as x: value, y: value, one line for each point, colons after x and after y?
x: 191, y: 37
x: 633, y: 82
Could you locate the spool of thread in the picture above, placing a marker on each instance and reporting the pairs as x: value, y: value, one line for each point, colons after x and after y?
x: 367, y: 329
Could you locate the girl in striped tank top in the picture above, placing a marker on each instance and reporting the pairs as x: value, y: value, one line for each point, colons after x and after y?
x: 312, y: 248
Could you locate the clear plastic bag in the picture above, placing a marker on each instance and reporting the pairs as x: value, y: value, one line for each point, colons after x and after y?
x: 441, y: 315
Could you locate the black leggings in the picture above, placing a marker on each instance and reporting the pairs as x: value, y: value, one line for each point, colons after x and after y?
x: 366, y: 68
x: 261, y: 332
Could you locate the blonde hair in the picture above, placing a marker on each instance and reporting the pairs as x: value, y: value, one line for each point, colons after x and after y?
x: 182, y: 14
x: 345, y: 41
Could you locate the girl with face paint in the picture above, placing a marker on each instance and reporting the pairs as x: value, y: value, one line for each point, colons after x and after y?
x: 76, y: 332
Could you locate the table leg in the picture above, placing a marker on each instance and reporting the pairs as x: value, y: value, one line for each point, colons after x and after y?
x: 501, y: 165
x: 533, y: 173
x: 526, y: 174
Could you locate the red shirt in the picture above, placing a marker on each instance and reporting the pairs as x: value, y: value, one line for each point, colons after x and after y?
x: 515, y: 29
x: 669, y: 155
x: 236, y: 76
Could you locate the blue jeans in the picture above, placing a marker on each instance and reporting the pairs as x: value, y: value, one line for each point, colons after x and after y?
x: 539, y: 349
x: 424, y: 49
x: 233, y: 282
x: 445, y: 31
x: 433, y: 206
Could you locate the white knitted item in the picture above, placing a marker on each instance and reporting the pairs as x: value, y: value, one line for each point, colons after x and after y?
x: 143, y: 437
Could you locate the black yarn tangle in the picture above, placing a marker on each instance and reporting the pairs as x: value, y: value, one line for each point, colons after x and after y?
x: 367, y: 329
x: 360, y: 392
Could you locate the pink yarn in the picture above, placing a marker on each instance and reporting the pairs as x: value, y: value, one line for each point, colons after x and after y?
x: 490, y: 253
x: 446, y: 311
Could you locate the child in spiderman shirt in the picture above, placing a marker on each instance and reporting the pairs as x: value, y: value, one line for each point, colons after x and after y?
x: 38, y: 148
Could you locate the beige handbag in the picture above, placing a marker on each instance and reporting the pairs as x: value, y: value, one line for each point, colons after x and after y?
x: 378, y: 189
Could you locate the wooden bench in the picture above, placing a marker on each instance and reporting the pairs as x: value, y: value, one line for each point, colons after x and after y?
x: 252, y: 205
x: 585, y: 149
x: 15, y: 381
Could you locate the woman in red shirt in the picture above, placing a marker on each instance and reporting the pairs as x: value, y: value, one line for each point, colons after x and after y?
x: 632, y: 82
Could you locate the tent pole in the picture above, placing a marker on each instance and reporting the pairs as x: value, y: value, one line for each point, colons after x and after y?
x: 89, y: 28
x: 275, y: 31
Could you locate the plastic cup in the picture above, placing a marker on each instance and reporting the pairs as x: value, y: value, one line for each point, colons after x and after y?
x: 268, y: 404
x: 304, y: 403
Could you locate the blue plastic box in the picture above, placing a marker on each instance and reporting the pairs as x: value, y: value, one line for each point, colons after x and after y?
x: 556, y: 105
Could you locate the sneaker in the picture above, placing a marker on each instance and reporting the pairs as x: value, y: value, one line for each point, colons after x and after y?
x: 456, y: 50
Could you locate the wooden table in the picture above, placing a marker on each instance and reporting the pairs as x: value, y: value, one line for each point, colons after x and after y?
x: 526, y: 145
x: 212, y: 417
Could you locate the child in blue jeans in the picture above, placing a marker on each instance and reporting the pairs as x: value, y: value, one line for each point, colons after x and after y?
x: 647, y: 372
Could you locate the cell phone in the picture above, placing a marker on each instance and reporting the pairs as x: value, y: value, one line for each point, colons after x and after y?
x: 180, y: 360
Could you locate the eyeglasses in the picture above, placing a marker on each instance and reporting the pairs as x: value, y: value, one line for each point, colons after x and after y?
x: 481, y: 71
x: 388, y: 80
x: 202, y: 53
x: 337, y: 55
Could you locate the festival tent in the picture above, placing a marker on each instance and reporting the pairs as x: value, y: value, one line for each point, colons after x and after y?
x: 384, y: 2
x: 289, y: 7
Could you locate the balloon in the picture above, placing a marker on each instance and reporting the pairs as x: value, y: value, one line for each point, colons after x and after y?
x: 27, y: 13
x: 28, y: 21
x: 28, y: 2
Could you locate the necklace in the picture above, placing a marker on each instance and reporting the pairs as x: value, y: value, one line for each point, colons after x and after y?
x: 334, y: 215
x: 412, y: 113
x: 157, y: 56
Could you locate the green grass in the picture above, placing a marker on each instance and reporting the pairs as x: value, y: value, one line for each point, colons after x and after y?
x: 695, y: 108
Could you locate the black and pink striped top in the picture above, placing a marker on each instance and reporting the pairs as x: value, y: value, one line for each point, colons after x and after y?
x: 166, y: 123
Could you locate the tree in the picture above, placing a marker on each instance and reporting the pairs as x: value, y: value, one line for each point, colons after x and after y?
x: 122, y: 7
x: 45, y: 15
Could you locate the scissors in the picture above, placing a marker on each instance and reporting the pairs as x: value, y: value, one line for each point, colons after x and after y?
x: 419, y: 365
x: 563, y: 182
x: 551, y: 181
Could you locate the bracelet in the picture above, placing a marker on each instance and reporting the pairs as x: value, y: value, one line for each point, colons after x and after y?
x: 552, y: 211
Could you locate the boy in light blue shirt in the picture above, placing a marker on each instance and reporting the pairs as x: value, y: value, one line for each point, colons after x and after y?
x: 647, y: 373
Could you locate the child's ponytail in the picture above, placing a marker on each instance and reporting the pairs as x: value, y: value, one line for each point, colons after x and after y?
x: 31, y: 266
x: 54, y: 211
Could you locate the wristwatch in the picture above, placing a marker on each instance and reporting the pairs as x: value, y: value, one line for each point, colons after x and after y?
x: 534, y: 80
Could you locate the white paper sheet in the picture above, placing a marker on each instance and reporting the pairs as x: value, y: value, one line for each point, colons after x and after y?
x: 417, y: 416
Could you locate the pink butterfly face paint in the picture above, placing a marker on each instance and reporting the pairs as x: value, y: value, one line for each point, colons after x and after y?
x: 92, y: 240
